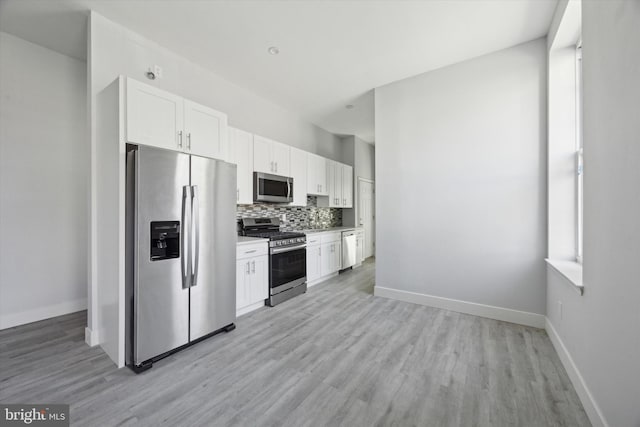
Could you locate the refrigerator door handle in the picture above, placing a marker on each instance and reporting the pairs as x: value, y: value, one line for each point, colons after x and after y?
x: 195, y: 236
x: 185, y: 231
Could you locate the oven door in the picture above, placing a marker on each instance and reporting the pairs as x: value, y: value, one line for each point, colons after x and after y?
x: 287, y: 268
x: 272, y: 188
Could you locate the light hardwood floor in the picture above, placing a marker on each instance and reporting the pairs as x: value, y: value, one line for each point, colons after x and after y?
x: 334, y: 356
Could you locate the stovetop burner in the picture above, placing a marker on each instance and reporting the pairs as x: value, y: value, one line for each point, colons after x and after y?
x: 275, y: 235
x: 269, y: 228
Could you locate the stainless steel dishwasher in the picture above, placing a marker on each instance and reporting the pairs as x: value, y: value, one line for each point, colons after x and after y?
x: 348, y: 248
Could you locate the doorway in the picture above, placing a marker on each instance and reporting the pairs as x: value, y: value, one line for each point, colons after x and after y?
x: 366, y: 214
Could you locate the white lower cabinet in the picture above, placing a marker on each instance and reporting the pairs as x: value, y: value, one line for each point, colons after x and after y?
x: 314, y: 262
x: 252, y: 277
x: 323, y: 256
x: 359, y: 246
x: 331, y: 257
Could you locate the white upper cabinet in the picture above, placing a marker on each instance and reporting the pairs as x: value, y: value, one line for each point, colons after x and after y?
x: 241, y: 153
x: 317, y: 175
x: 334, y: 171
x: 262, y: 155
x: 161, y: 119
x: 281, y: 158
x: 270, y: 156
x: 154, y: 117
x: 347, y: 186
x: 340, y: 183
x: 205, y: 131
x: 299, y: 175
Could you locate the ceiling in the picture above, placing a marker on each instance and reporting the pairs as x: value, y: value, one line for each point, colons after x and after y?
x: 332, y: 53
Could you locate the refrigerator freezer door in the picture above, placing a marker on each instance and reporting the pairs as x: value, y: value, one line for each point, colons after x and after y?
x: 161, y: 302
x: 213, y: 294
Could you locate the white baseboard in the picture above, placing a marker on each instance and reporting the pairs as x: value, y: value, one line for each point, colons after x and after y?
x: 589, y: 404
x: 249, y: 308
x: 41, y: 313
x: 482, y: 310
x: 91, y: 337
x: 322, y: 279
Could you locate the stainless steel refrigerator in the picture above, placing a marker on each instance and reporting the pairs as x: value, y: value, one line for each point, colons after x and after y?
x: 180, y: 254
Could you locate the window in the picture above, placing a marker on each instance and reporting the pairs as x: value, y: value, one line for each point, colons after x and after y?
x: 579, y: 167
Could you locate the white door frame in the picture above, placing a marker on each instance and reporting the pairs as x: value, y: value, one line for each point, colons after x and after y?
x: 357, y: 209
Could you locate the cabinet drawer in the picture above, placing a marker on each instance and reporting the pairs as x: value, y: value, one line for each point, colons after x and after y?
x: 315, y: 240
x: 330, y: 237
x: 249, y: 251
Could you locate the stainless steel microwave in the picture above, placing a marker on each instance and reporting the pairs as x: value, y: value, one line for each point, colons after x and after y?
x: 272, y: 188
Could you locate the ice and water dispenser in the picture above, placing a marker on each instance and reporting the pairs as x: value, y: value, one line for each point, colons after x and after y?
x: 165, y: 240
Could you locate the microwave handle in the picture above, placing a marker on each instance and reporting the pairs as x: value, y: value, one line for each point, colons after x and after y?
x: 288, y: 188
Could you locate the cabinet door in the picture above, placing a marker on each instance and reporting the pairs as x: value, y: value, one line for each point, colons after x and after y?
x: 326, y: 259
x: 334, y: 171
x: 321, y: 175
x: 154, y: 117
x: 242, y: 276
x: 314, y: 267
x: 331, y: 258
x: 312, y: 180
x: 347, y: 186
x: 259, y: 279
x: 337, y: 256
x: 262, y: 155
x: 359, y: 247
x: 205, y: 131
x: 280, y: 154
x: 241, y: 153
x: 299, y: 175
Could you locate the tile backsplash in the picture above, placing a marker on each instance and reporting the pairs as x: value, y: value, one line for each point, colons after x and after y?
x: 294, y: 217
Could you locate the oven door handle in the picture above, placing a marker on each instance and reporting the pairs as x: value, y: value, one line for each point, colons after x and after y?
x: 287, y: 249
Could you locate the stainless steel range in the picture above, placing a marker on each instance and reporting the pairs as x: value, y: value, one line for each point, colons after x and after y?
x: 287, y: 258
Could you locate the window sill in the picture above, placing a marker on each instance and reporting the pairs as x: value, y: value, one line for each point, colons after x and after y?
x: 571, y: 271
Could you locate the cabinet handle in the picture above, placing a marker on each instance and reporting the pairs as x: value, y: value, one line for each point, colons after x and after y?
x: 271, y: 169
x: 251, y: 251
x: 248, y: 268
x: 189, y: 140
x: 276, y: 167
x: 180, y: 138
x: 344, y: 202
x: 237, y: 194
x: 253, y: 267
x: 319, y: 251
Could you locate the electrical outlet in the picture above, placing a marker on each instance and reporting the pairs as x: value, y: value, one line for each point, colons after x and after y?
x: 157, y: 70
x: 560, y: 309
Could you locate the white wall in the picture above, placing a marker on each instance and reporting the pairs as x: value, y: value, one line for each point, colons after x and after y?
x: 43, y: 183
x: 601, y: 329
x: 460, y: 182
x: 118, y: 50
